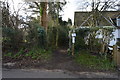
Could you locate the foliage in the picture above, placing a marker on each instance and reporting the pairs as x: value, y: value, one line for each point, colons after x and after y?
x: 65, y: 23
x: 12, y: 39
x: 80, y: 39
x: 12, y: 35
x: 8, y: 54
x: 93, y: 61
x: 5, y: 14
x: 34, y: 53
x: 37, y: 35
x: 55, y: 8
x: 18, y: 54
x: 90, y: 38
x: 69, y: 21
x: 62, y: 34
x: 37, y: 53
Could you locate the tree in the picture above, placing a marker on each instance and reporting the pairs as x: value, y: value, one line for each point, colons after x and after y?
x: 54, y: 10
x: 44, y: 15
x: 40, y: 8
x: 101, y: 5
x: 69, y: 21
x: 5, y: 15
x: 12, y: 34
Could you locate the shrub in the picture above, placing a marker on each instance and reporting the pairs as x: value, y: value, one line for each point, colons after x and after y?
x: 8, y: 54
x: 62, y: 36
x: 12, y: 39
x: 37, y: 53
x: 37, y: 35
x: 80, y: 39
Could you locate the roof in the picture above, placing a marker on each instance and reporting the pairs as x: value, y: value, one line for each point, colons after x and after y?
x: 116, y: 15
x: 81, y: 16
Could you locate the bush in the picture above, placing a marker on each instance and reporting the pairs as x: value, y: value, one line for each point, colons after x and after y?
x: 37, y: 53
x: 80, y: 39
x: 52, y: 36
x: 37, y: 35
x: 34, y: 53
x: 63, y: 39
x: 12, y: 39
x: 62, y: 36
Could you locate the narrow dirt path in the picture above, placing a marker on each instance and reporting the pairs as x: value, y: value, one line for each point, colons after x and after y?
x: 61, y: 60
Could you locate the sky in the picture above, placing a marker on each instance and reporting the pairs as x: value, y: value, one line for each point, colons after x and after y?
x: 71, y: 7
x: 68, y: 9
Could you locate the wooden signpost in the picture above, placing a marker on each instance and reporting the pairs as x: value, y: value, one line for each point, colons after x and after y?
x: 73, y: 41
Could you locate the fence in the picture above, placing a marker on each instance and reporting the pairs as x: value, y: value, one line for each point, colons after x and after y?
x: 116, y: 55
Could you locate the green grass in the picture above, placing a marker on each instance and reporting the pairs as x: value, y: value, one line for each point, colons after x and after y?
x: 95, y: 62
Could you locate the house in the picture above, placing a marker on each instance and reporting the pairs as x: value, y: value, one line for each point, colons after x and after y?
x: 118, y: 26
x: 105, y: 18
x: 118, y: 20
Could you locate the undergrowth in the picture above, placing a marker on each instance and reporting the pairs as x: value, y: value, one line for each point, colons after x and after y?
x: 34, y: 53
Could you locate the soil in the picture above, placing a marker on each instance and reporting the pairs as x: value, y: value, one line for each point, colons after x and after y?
x: 60, y: 60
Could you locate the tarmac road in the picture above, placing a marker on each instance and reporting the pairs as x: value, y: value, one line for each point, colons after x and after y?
x: 37, y: 73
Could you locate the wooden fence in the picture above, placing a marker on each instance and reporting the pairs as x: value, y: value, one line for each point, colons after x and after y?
x: 116, y: 55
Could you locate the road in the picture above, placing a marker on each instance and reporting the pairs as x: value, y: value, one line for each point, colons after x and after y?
x: 37, y: 73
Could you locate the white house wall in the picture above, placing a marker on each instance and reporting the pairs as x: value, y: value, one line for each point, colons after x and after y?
x: 118, y: 31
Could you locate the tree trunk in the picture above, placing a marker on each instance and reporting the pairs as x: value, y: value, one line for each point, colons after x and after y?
x: 57, y: 25
x: 103, y: 48
x: 57, y: 35
x: 44, y: 15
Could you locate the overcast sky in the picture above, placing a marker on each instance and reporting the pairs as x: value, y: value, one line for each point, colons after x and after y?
x: 69, y: 8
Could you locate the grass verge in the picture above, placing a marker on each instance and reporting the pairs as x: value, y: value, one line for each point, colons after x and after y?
x: 93, y: 61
